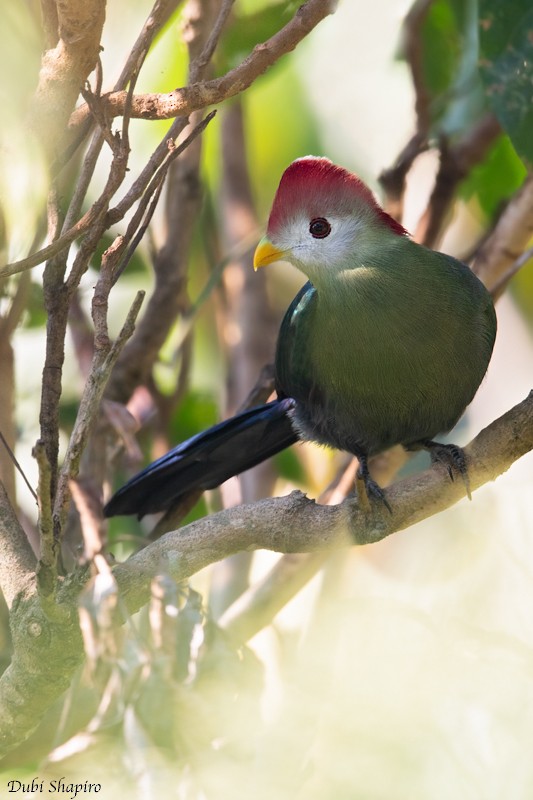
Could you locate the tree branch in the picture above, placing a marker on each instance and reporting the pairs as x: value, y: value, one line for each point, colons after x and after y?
x: 183, y: 198
x: 65, y: 68
x: 456, y: 162
x: 18, y: 563
x: 181, y: 102
x: 104, y: 359
x: 508, y: 240
x: 295, y: 524
x: 45, y: 655
x: 196, y: 96
x: 292, y: 524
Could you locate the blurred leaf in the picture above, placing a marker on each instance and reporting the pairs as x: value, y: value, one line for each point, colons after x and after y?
x: 506, y: 67
x: 197, y: 412
x: 289, y: 466
x: 440, y: 47
x: 496, y: 178
x: 35, y: 314
x: 522, y: 290
x: 246, y: 30
x: 68, y: 411
x: 449, y: 65
x: 281, y: 127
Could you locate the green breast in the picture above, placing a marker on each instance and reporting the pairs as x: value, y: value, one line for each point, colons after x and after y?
x: 390, y: 354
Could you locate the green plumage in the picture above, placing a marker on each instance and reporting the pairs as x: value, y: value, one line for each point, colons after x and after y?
x: 387, y: 344
x: 388, y: 351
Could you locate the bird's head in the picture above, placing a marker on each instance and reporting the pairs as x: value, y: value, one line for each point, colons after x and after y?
x: 324, y: 219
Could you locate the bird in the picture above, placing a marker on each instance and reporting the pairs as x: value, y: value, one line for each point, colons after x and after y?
x: 385, y: 344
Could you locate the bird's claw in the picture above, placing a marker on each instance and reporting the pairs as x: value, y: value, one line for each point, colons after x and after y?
x: 373, y: 490
x: 453, y: 458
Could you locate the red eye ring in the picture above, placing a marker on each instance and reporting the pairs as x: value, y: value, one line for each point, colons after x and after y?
x: 319, y: 228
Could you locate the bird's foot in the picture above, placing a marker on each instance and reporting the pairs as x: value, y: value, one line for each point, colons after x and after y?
x: 372, y: 490
x: 452, y: 457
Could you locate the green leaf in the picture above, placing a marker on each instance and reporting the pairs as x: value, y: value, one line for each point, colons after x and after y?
x: 247, y: 30
x: 496, y: 178
x: 197, y: 412
x: 440, y: 48
x: 506, y: 68
x: 36, y: 315
x: 448, y: 63
x: 289, y: 466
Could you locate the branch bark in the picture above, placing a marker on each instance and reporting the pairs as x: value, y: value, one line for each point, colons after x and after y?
x: 45, y: 655
x: 510, y: 237
x: 295, y: 524
x: 183, y: 201
x: 196, y: 96
x: 456, y: 162
x: 248, y: 328
x: 18, y: 563
x: 65, y: 68
x: 292, y: 524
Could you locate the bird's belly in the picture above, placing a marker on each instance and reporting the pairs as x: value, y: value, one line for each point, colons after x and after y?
x: 366, y: 375
x: 369, y: 425
x: 379, y: 394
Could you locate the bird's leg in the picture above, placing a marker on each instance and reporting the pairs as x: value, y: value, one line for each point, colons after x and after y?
x: 451, y: 456
x: 373, y: 489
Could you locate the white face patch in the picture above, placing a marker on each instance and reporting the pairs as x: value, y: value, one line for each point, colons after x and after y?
x: 335, y: 252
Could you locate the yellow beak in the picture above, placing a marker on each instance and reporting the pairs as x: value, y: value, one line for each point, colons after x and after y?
x: 266, y: 253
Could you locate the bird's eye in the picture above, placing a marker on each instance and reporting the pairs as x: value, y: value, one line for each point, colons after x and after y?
x: 319, y: 228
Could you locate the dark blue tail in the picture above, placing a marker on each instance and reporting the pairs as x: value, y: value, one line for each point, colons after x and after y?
x: 207, y: 459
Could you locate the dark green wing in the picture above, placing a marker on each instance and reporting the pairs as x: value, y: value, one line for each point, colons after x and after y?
x: 294, y: 367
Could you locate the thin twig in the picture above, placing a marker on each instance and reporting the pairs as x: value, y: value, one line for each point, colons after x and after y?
x: 199, y: 95
x: 148, y: 203
x: 174, y: 104
x: 17, y: 465
x: 393, y: 179
x: 103, y: 361
x: 455, y: 164
x: 139, y: 185
x: 509, y: 238
x: 159, y: 14
x: 98, y: 114
x: 198, y: 66
x: 515, y: 267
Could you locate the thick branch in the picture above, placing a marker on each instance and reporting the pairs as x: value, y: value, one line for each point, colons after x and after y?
x: 65, y: 68
x: 17, y: 561
x: 288, y: 524
x: 191, y: 98
x: 45, y: 656
x: 295, y: 524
